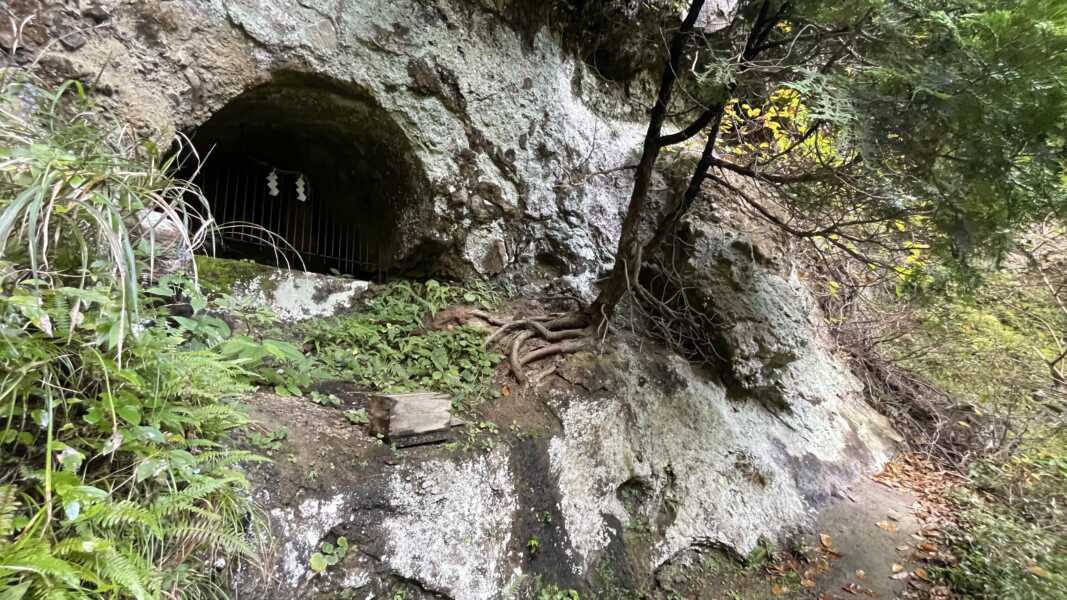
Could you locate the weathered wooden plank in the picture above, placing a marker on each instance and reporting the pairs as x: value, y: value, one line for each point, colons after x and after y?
x: 399, y: 415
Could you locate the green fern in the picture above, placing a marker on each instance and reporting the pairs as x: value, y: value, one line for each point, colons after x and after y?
x: 9, y: 504
x: 117, y: 483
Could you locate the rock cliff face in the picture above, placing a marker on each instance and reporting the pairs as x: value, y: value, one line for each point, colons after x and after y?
x: 608, y: 472
x: 502, y: 152
x: 504, y: 134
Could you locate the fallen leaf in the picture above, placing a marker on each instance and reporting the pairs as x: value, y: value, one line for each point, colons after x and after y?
x: 1036, y: 570
x: 887, y: 526
x: 921, y: 574
x: 808, y: 583
x: 826, y: 541
x: 900, y: 575
x: 860, y: 573
x: 778, y: 590
x: 903, y: 548
x: 928, y: 547
x: 857, y: 589
x: 897, y: 567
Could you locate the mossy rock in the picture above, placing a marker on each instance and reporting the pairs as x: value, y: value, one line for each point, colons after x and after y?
x: 222, y: 275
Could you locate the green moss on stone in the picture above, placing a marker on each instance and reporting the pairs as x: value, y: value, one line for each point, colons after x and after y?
x: 223, y: 274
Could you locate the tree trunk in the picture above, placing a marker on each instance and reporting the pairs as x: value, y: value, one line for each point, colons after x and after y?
x: 630, y: 252
x: 628, y: 256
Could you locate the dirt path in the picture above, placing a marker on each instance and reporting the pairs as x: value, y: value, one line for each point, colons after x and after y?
x: 872, y: 543
x: 869, y: 541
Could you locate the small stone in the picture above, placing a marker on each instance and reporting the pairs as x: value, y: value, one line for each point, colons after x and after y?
x: 96, y: 12
x: 7, y: 38
x: 73, y: 41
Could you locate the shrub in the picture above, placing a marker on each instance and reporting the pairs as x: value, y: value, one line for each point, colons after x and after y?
x: 114, y: 480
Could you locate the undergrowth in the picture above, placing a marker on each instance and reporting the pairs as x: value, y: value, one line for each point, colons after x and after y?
x: 388, y: 346
x: 115, y: 481
x: 1012, y: 541
x: 995, y: 350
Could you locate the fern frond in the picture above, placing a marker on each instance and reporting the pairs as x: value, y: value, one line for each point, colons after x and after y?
x: 8, y: 505
x: 124, y: 571
x: 37, y: 560
x: 115, y: 515
x: 225, y: 458
x: 171, y: 503
x: 211, y: 538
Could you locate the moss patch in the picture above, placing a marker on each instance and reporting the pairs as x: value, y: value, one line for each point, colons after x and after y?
x: 221, y: 275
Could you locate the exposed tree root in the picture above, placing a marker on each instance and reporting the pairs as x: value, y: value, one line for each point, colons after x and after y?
x: 561, y: 334
x: 462, y: 315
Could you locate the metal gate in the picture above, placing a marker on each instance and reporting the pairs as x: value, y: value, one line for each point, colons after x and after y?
x: 255, y: 204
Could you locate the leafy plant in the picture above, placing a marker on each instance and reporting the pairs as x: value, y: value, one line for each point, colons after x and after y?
x: 270, y: 441
x: 1003, y: 556
x: 357, y: 416
x: 554, y: 592
x: 388, y: 346
x: 329, y: 555
x: 113, y: 413
x: 276, y: 363
x: 325, y: 399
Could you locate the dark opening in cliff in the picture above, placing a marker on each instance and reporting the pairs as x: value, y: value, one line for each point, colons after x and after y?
x: 312, y: 162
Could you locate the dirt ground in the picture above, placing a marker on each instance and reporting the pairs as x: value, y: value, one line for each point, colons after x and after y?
x: 877, y: 541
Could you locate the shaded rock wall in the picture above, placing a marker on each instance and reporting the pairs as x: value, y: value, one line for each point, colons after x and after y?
x: 508, y: 128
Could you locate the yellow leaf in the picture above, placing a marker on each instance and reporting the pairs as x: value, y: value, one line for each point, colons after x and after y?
x: 1036, y: 570
x: 887, y: 526
x: 826, y: 541
x: 897, y: 567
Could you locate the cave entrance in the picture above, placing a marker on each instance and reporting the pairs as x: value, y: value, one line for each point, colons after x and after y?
x: 314, y: 163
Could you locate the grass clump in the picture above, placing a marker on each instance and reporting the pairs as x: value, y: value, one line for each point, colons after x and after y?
x: 389, y: 346
x: 115, y: 481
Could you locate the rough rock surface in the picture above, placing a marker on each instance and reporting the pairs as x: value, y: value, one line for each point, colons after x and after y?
x: 510, y: 130
x: 764, y: 314
x: 615, y: 466
x: 649, y: 459
x: 295, y: 296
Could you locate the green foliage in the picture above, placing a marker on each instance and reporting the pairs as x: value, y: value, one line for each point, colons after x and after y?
x: 947, y: 115
x: 1008, y: 323
x: 357, y: 416
x: 960, y: 114
x: 388, y: 346
x: 325, y: 399
x: 72, y: 185
x: 275, y: 363
x: 554, y: 592
x: 116, y: 481
x: 269, y: 441
x: 1014, y: 542
x: 329, y: 555
x: 992, y: 349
